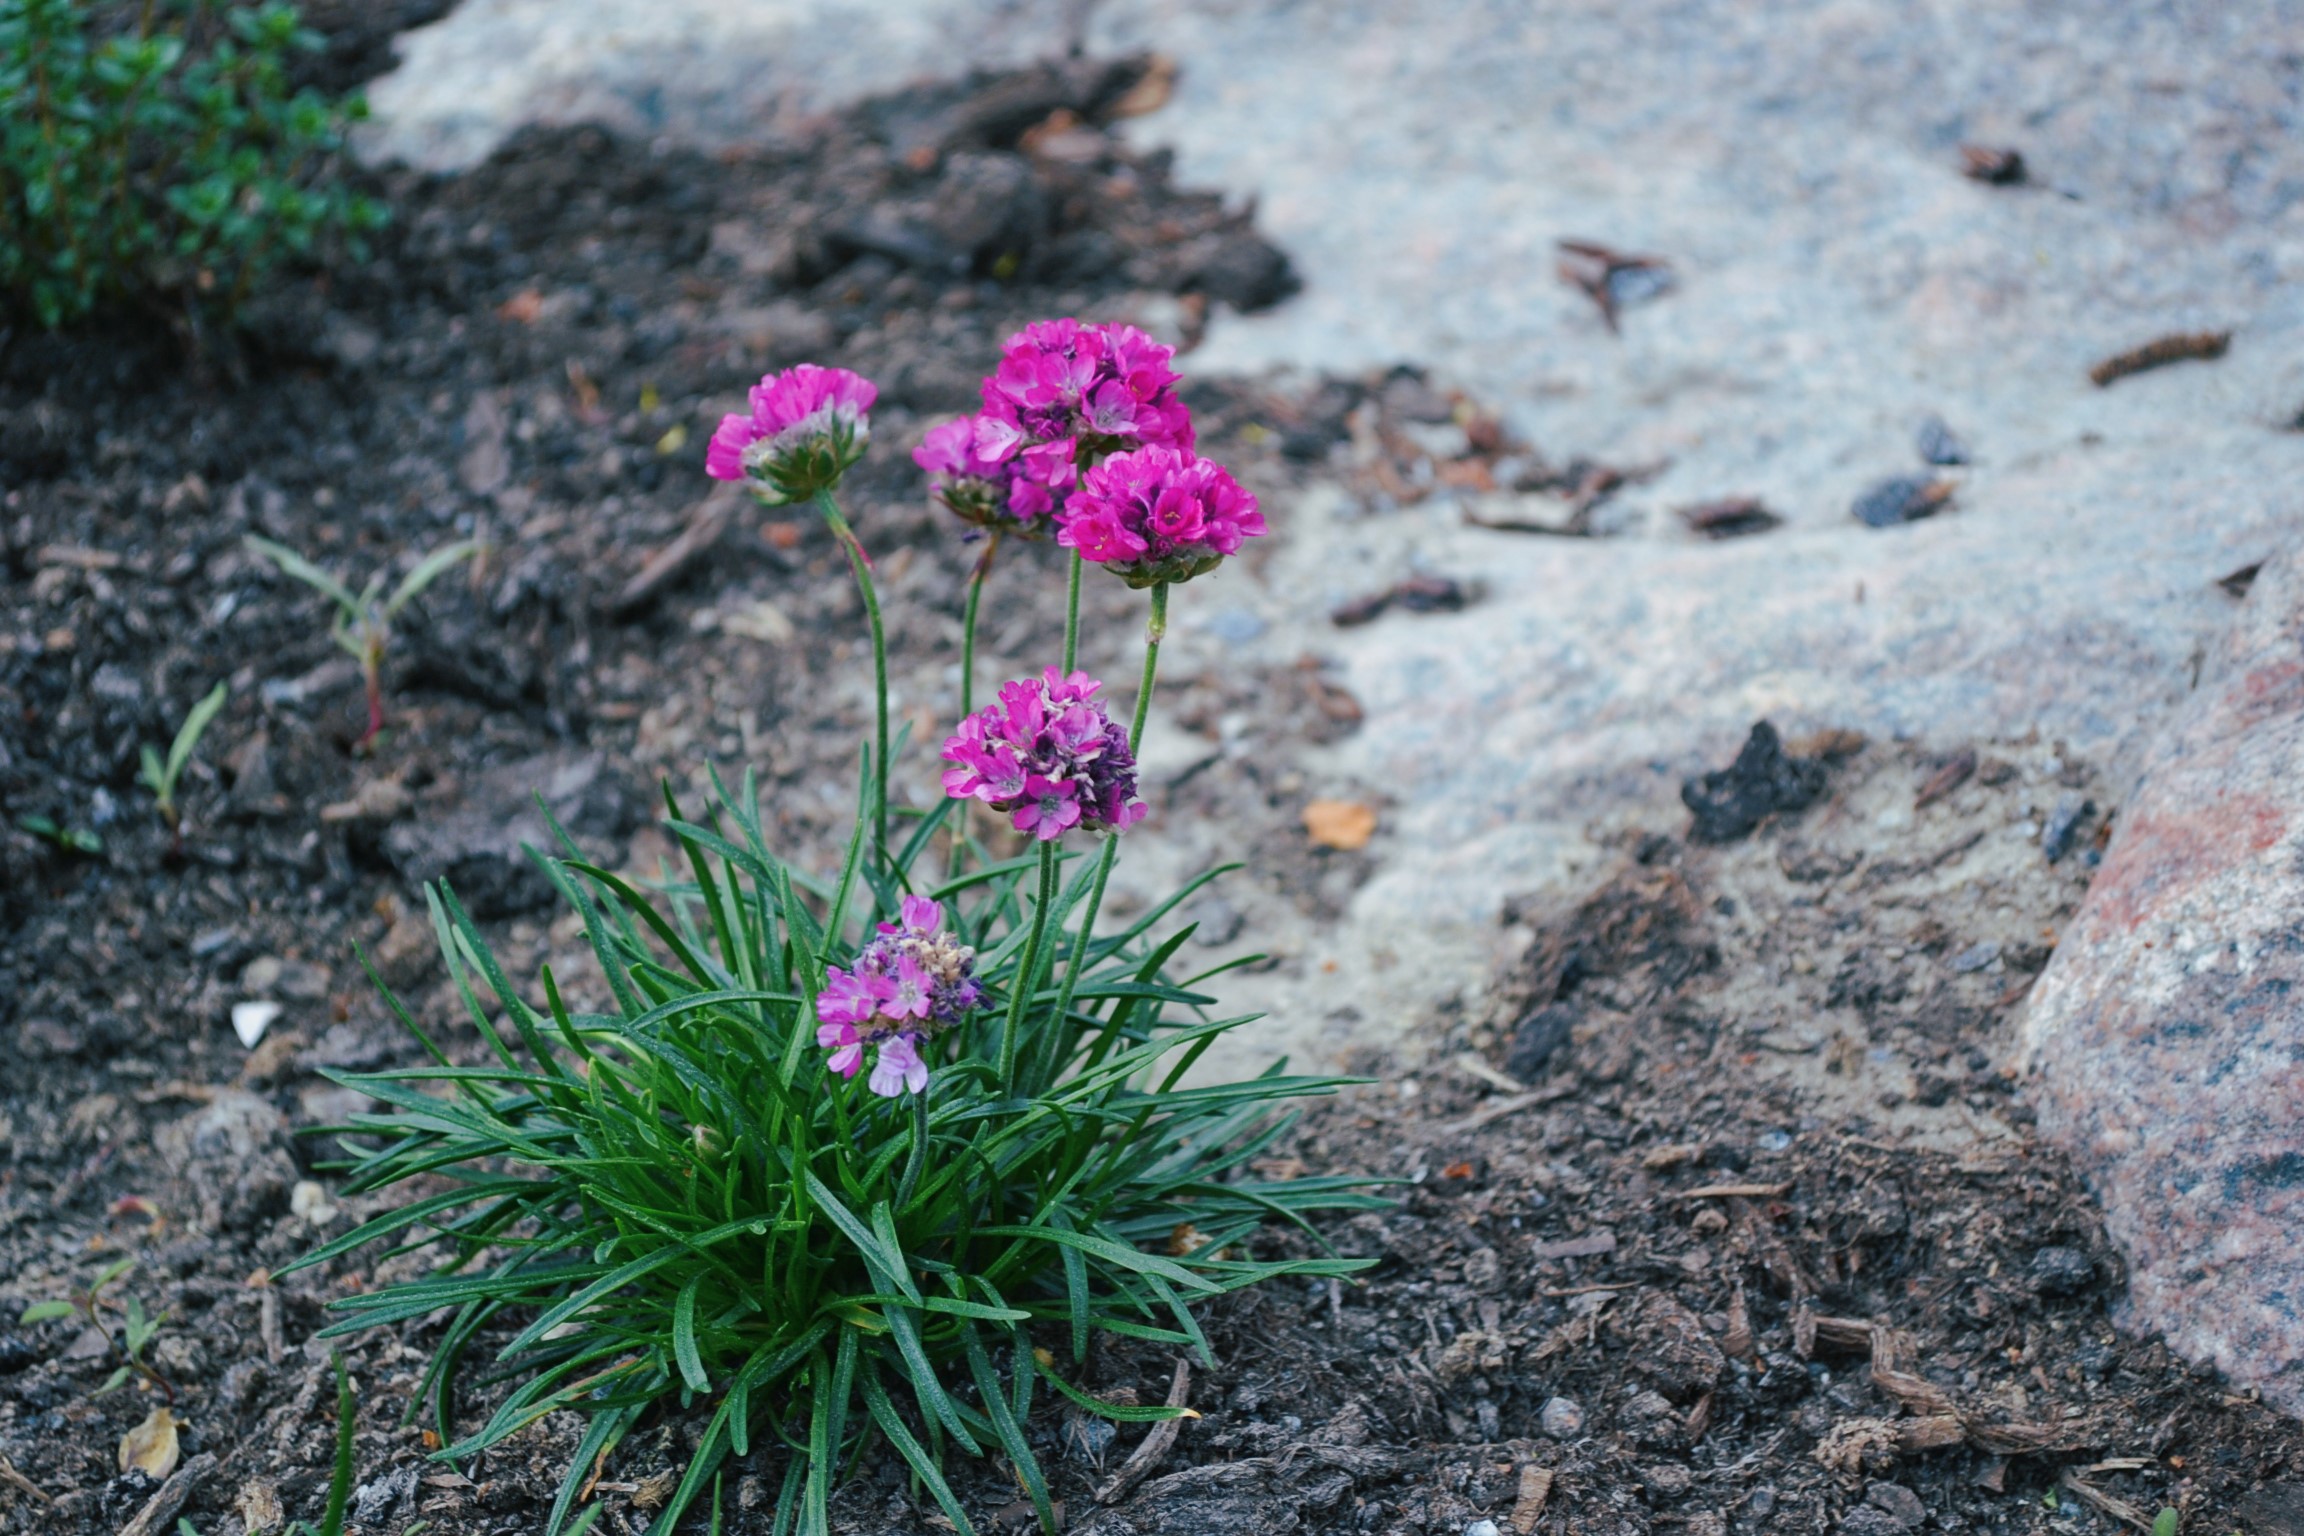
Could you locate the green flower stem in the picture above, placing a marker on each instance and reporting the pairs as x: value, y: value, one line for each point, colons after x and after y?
x: 1072, y: 617
x: 1155, y: 630
x: 1028, y: 968
x: 861, y: 564
x: 918, y: 1154
x: 976, y: 582
x: 968, y: 683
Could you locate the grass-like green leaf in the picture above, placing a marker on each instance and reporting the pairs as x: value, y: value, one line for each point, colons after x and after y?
x: 674, y: 1202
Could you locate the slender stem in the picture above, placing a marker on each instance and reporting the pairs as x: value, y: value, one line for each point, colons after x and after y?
x: 918, y: 1154
x: 1155, y: 630
x: 968, y: 681
x: 976, y: 580
x: 372, y: 673
x: 861, y: 565
x: 1028, y: 967
x: 1072, y: 616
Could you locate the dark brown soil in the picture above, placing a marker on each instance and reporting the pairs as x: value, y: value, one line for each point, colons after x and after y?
x: 535, y: 360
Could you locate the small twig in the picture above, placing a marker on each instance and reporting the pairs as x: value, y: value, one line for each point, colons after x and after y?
x: 1491, y: 1113
x: 705, y: 525
x: 21, y: 1483
x: 2104, y: 1503
x: 268, y: 1323
x: 2184, y: 346
x: 1474, y: 1066
x: 1586, y: 1290
x: 161, y: 1508
x: 1725, y: 1191
x: 1156, y: 1444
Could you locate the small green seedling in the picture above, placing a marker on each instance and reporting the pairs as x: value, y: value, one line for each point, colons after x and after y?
x: 363, y: 624
x: 2166, y: 1523
x: 161, y: 777
x: 89, y: 1304
x: 70, y: 839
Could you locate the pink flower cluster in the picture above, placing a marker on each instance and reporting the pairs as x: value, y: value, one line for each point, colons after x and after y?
x: 1158, y: 515
x: 1049, y: 754
x: 989, y: 493
x: 1065, y: 395
x: 807, y: 425
x: 910, y: 983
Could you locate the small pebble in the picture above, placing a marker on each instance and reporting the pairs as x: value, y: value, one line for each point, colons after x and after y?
x: 1904, y: 499
x: 1562, y: 1418
x: 1481, y: 1528
x: 1667, y: 1481
x: 1775, y: 1141
x: 1938, y: 444
x: 1899, y: 1502
x: 214, y: 941
x: 1976, y: 956
x: 2061, y: 1271
x: 1086, y: 1437
x: 2063, y: 824
x: 250, y: 1020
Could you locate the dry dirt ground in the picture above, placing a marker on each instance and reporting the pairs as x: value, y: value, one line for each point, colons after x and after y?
x: 1716, y: 1209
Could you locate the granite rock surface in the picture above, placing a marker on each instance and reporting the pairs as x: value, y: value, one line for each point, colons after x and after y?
x: 2168, y: 1032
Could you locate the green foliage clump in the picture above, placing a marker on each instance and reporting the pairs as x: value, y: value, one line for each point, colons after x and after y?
x: 153, y: 155
x: 675, y: 1202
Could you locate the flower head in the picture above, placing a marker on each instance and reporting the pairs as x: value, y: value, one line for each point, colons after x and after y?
x: 1158, y: 514
x: 1047, y: 754
x: 992, y: 494
x: 911, y: 983
x: 1065, y: 394
x: 807, y: 425
x: 1108, y: 384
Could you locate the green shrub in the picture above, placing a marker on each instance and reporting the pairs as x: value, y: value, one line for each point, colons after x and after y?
x: 153, y: 156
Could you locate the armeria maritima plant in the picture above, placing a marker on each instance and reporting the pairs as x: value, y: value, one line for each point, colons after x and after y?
x: 852, y: 1165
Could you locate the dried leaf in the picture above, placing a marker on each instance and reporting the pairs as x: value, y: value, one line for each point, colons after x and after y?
x: 1185, y: 1240
x: 258, y: 1507
x: 1528, y: 1508
x: 1738, y: 1339
x: 151, y: 1447
x: 1342, y: 824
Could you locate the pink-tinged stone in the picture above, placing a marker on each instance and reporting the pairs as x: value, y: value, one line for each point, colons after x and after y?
x: 2167, y: 1035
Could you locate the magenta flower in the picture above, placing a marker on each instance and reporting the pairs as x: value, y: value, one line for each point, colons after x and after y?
x: 806, y: 427
x: 1064, y: 396
x: 1048, y: 755
x: 991, y: 494
x: 1158, y: 515
x: 846, y: 1046
x: 912, y: 982
x: 899, y: 1068
x: 1104, y: 387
